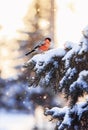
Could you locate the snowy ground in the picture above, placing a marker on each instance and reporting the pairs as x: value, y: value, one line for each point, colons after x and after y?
x: 14, y: 121
x: 20, y: 121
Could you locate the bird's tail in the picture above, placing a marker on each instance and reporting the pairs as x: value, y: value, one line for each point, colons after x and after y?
x: 32, y: 50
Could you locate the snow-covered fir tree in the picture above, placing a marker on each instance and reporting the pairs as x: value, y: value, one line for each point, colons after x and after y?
x: 66, y: 71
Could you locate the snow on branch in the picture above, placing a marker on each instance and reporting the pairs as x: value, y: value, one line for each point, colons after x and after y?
x: 45, y: 67
x: 81, y: 82
x: 66, y: 116
x: 41, y: 60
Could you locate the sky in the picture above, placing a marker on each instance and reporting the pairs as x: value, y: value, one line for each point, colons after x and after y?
x: 70, y: 20
x: 11, y: 15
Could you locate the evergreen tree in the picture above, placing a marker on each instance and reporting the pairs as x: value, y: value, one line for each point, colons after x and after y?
x: 66, y: 71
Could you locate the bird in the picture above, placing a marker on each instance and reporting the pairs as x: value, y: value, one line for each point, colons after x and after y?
x: 44, y: 46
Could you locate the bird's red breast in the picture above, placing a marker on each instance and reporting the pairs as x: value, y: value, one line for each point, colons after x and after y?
x: 45, y: 46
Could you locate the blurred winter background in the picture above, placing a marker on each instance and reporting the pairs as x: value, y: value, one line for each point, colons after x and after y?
x: 23, y: 23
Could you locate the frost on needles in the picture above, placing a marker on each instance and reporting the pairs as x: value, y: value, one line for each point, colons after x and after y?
x: 64, y: 70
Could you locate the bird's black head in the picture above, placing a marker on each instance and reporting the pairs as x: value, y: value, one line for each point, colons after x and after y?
x: 48, y: 38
